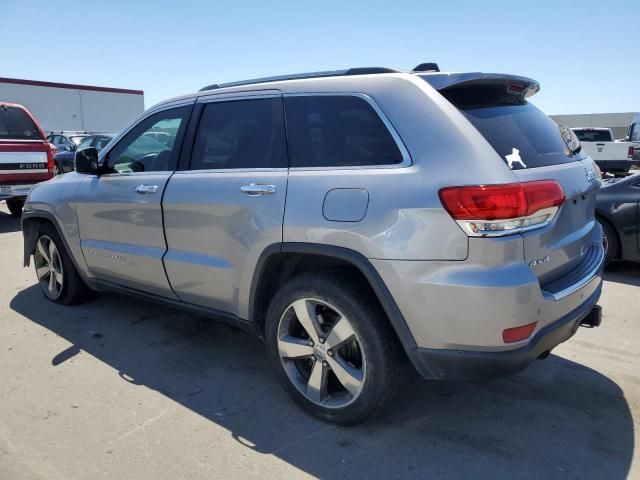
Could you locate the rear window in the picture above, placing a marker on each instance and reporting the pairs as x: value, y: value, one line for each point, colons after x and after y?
x: 634, y: 134
x: 522, y: 135
x: 586, y: 135
x: 15, y: 124
x: 337, y: 131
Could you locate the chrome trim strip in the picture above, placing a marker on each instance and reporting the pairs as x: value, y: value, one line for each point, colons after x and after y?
x: 580, y: 284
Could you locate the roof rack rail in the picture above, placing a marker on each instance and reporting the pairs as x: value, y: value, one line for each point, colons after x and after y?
x: 427, y: 67
x: 298, y: 76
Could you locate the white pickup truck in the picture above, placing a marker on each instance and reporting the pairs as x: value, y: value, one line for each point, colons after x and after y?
x: 611, y: 156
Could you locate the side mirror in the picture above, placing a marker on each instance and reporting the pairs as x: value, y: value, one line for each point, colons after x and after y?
x: 86, y: 161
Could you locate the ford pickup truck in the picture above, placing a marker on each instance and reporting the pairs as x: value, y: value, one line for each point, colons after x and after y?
x: 26, y: 157
x: 611, y: 156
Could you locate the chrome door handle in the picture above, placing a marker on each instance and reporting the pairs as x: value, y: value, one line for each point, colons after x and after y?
x: 256, y: 189
x: 146, y: 188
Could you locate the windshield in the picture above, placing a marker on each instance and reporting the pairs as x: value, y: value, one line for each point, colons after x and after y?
x: 15, y: 124
x: 77, y: 139
x: 590, y: 135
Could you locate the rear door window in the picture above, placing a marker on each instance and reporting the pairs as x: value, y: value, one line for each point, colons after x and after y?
x: 522, y: 135
x: 240, y: 134
x: 15, y: 124
x: 337, y: 131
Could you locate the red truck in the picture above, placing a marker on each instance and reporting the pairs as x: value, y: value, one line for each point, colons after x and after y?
x: 26, y: 157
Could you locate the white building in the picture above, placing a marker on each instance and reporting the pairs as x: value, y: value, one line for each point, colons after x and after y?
x: 618, y: 122
x: 64, y: 106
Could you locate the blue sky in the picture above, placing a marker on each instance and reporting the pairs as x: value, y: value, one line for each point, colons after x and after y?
x: 585, y: 54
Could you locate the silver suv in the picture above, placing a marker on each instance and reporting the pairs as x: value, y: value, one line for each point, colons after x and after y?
x: 352, y: 219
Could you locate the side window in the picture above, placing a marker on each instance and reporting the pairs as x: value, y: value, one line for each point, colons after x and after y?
x: 337, y: 131
x: 240, y: 134
x: 139, y: 151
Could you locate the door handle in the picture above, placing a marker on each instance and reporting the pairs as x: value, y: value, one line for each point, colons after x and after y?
x: 256, y: 189
x: 146, y: 189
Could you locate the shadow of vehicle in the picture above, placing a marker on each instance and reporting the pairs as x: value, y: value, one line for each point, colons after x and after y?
x: 623, y: 272
x: 558, y: 418
x: 8, y: 223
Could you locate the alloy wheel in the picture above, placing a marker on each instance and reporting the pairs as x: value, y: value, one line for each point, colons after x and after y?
x: 49, y: 268
x: 321, y: 353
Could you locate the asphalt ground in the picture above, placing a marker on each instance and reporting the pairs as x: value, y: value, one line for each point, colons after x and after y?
x: 122, y: 389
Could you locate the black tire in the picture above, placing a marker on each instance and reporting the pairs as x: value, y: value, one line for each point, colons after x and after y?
x: 610, y: 240
x: 74, y: 290
x: 15, y: 206
x: 377, y: 340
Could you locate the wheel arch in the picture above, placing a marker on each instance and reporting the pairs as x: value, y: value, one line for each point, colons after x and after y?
x: 31, y: 222
x: 282, y: 260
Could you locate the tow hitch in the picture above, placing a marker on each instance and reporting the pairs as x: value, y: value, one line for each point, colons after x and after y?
x: 594, y: 319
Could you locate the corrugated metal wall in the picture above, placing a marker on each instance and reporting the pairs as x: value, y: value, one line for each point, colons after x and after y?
x: 75, y: 109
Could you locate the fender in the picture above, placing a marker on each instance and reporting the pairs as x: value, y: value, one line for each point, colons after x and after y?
x: 350, y: 256
x: 30, y: 235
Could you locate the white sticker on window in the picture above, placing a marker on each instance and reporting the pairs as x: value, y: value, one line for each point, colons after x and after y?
x: 514, y: 158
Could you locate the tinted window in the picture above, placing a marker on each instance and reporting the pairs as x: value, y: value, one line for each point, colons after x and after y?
x: 588, y: 135
x: 634, y: 134
x: 522, y: 135
x: 240, y: 134
x: 139, y: 152
x: 16, y: 124
x: 337, y: 131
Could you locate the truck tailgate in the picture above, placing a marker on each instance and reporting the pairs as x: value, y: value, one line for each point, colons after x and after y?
x: 24, y: 162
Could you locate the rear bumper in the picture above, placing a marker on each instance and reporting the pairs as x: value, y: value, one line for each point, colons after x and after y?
x: 466, y: 364
x: 14, y: 191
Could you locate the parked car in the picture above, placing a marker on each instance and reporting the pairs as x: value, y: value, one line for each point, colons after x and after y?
x: 618, y: 210
x: 64, y: 159
x: 25, y: 156
x: 66, y: 141
x: 611, y: 156
x: 351, y: 219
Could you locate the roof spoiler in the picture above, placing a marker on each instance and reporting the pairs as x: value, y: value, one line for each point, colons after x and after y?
x: 526, y: 87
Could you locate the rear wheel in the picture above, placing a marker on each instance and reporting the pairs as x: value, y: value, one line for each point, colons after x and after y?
x: 57, y: 276
x: 15, y: 206
x: 332, y: 348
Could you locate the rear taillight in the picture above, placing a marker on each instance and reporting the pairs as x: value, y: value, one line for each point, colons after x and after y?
x: 51, y: 149
x: 630, y: 152
x: 492, y: 210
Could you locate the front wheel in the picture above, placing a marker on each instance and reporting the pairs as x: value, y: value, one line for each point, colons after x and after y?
x: 57, y: 276
x: 332, y: 348
x: 15, y: 206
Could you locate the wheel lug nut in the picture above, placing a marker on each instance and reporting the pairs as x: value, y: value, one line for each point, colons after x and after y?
x: 330, y: 353
x: 310, y: 343
x: 321, y: 340
x: 325, y: 364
